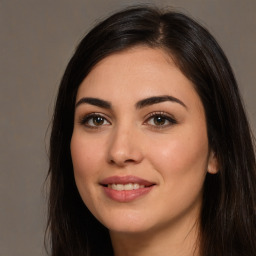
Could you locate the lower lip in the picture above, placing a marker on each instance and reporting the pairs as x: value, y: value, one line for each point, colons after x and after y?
x: 124, y: 196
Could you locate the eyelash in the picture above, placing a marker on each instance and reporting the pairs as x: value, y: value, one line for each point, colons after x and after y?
x: 166, y: 118
x: 85, y: 120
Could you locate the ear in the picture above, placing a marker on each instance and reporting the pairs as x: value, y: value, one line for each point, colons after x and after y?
x: 213, y: 165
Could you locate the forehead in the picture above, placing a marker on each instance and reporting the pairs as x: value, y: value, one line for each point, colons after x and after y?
x: 134, y: 74
x: 134, y: 63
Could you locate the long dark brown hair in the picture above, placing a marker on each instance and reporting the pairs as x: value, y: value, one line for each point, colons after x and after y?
x: 228, y: 216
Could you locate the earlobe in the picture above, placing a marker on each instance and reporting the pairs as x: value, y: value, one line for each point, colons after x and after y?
x: 213, y: 165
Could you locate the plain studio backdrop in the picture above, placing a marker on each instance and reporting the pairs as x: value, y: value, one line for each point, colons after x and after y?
x: 37, y: 38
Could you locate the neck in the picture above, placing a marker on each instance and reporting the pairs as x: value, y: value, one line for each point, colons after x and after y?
x: 178, y: 241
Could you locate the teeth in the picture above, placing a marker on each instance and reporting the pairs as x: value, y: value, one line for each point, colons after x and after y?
x: 129, y: 186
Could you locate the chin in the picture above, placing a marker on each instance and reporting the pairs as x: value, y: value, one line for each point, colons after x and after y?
x: 128, y: 229
x: 127, y: 223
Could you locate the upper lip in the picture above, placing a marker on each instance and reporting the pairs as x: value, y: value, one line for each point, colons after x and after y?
x: 125, y: 180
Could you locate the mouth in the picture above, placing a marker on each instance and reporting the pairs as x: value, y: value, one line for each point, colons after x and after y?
x: 126, y: 183
x: 127, y: 188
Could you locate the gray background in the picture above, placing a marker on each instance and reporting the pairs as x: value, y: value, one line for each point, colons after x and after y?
x: 37, y: 38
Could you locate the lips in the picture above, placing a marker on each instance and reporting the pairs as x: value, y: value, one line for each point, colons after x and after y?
x: 126, y: 188
x: 126, y: 180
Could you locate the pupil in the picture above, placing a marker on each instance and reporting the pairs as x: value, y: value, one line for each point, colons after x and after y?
x: 98, y: 120
x: 159, y: 120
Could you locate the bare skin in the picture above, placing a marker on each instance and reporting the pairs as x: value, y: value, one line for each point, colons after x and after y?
x: 162, y: 242
x: 139, y: 118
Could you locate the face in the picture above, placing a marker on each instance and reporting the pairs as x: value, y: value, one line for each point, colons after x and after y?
x: 139, y: 146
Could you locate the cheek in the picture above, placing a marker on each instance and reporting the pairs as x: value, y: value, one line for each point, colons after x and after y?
x: 180, y: 155
x: 86, y: 165
x: 85, y: 160
x: 181, y: 163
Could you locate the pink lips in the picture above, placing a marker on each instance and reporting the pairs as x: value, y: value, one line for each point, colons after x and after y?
x: 126, y: 195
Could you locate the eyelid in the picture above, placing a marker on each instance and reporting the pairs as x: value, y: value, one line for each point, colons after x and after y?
x: 85, y: 118
x: 172, y: 120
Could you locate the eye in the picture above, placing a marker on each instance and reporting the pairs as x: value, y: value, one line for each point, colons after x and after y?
x: 160, y: 120
x: 94, y: 121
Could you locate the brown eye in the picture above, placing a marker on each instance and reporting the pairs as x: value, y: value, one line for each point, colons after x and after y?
x: 94, y: 121
x: 98, y: 120
x: 159, y: 120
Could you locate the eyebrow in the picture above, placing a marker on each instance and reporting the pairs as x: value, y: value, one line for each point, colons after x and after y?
x: 94, y: 101
x: 140, y: 104
x: 158, y: 99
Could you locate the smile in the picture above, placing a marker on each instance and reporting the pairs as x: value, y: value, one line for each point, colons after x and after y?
x: 126, y: 189
x: 129, y: 186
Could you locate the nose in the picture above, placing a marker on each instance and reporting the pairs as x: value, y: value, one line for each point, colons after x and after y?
x: 125, y: 147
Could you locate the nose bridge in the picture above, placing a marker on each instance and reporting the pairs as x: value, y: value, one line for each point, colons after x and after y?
x: 124, y: 144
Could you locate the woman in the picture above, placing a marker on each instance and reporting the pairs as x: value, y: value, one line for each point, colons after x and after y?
x: 151, y: 152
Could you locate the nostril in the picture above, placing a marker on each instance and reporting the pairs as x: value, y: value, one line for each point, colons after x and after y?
x: 122, y: 162
x: 112, y: 161
x: 129, y: 161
